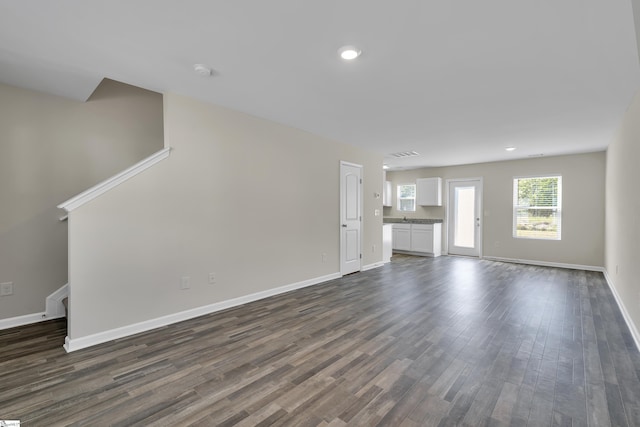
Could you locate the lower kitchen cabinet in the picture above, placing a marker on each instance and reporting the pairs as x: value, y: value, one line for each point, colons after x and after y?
x: 387, y: 242
x: 402, y: 237
x: 418, y: 239
x: 422, y: 238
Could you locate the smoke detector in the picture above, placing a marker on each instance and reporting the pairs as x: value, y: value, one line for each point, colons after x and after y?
x: 202, y: 70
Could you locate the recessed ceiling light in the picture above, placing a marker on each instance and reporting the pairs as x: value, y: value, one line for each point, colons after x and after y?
x: 203, y: 70
x: 510, y: 148
x: 349, y: 52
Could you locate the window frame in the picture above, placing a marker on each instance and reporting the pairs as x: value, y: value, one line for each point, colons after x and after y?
x: 399, y: 199
x: 557, y: 208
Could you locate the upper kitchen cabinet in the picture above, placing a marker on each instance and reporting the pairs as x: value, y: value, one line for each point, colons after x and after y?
x: 429, y: 191
x: 387, y: 194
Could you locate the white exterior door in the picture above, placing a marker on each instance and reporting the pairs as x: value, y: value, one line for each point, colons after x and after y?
x: 350, y: 217
x: 464, y: 218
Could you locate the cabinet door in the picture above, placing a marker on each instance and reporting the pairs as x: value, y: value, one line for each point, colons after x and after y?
x: 437, y: 240
x: 429, y: 191
x: 387, y: 194
x: 394, y: 238
x: 422, y: 239
x: 387, y: 242
x: 402, y: 238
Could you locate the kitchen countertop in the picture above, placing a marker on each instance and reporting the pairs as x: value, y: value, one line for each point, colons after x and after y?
x: 389, y: 220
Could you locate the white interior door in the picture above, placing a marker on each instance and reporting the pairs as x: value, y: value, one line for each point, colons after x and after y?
x: 464, y: 217
x: 350, y: 217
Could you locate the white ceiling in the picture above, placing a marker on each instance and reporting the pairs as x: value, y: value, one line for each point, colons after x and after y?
x: 455, y: 80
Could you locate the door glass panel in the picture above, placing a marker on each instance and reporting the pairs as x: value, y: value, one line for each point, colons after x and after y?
x: 464, y: 231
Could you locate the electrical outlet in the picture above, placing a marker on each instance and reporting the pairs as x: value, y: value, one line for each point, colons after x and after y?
x: 324, y: 257
x: 212, y: 278
x: 373, y: 248
x: 616, y: 268
x: 185, y: 282
x: 6, y: 289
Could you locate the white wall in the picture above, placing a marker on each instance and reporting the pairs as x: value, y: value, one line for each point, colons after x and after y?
x: 50, y: 149
x: 251, y: 200
x: 622, y: 254
x: 582, y: 206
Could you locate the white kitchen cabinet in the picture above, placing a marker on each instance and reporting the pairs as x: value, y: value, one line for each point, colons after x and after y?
x: 418, y: 239
x: 437, y: 240
x: 402, y: 237
x: 429, y: 191
x: 422, y: 238
x: 387, y: 242
x: 387, y: 194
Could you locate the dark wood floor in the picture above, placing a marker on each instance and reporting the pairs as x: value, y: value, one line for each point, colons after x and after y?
x: 419, y: 342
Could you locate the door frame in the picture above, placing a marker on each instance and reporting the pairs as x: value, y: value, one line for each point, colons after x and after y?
x: 447, y: 208
x: 341, y: 206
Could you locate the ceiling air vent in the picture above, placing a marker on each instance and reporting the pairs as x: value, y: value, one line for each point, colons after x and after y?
x: 405, y: 154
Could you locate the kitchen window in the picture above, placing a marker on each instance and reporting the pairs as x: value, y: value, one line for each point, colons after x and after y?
x: 407, y: 197
x: 537, y: 207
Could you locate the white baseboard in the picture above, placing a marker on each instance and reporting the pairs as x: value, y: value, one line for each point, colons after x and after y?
x: 423, y: 254
x: 147, y: 325
x: 54, y: 310
x: 545, y: 263
x: 623, y: 310
x: 372, y: 266
x: 27, y: 319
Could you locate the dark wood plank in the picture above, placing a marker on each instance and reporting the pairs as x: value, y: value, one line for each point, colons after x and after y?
x: 420, y: 342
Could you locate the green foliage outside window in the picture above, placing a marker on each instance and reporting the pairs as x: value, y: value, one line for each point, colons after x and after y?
x: 537, y: 207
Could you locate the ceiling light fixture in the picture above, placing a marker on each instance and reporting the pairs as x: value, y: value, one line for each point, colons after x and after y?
x: 349, y: 52
x: 510, y: 148
x: 203, y: 70
x: 385, y: 166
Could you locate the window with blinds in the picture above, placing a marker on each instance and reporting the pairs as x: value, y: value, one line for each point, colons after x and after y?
x: 407, y: 197
x: 537, y: 207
